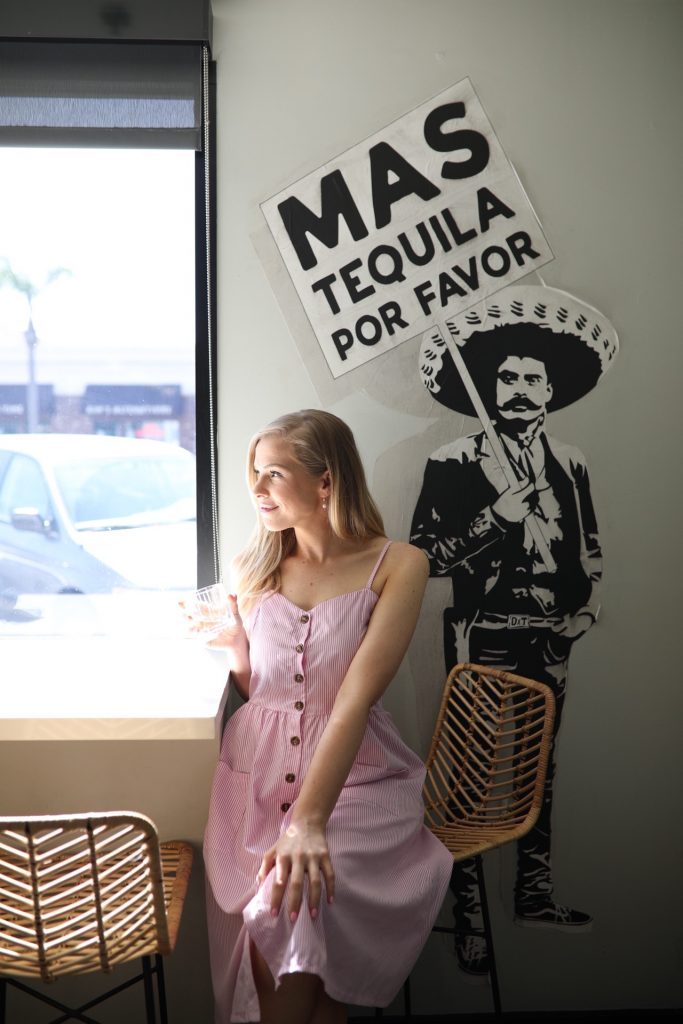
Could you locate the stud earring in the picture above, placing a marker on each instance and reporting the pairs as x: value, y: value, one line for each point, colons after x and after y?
x: 324, y: 504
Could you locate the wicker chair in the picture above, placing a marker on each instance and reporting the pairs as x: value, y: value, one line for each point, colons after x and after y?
x: 486, y: 771
x: 85, y: 892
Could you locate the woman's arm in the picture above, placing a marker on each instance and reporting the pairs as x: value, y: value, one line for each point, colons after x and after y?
x: 234, y: 640
x: 302, y: 849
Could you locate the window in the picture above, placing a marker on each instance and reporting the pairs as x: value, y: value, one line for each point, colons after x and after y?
x: 106, y: 342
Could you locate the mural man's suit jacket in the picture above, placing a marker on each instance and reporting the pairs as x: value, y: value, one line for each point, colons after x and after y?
x: 494, y: 566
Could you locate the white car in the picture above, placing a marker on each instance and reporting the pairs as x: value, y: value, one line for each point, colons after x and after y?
x: 83, y: 513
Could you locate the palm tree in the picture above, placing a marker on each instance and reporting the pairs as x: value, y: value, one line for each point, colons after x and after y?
x: 30, y: 290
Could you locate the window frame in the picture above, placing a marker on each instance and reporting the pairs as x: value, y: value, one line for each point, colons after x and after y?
x: 206, y: 346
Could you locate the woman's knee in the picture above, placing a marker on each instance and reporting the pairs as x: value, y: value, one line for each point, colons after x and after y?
x: 295, y: 999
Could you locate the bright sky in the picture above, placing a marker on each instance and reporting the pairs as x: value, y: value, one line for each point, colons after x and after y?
x: 122, y: 221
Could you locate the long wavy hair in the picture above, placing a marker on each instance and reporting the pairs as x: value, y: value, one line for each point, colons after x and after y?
x: 321, y: 443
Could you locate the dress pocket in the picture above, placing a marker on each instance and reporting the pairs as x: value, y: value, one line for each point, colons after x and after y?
x: 238, y: 745
x: 227, y: 810
x: 230, y: 866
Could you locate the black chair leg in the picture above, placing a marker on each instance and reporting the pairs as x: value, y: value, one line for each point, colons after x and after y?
x: 149, y: 990
x: 161, y: 988
x: 68, y: 1013
x: 77, y: 1013
x: 487, y: 935
x: 495, y: 989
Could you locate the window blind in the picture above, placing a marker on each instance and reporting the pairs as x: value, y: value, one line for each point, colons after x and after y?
x: 107, y: 94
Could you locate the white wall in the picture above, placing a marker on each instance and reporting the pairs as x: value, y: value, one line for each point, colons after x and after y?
x: 584, y: 96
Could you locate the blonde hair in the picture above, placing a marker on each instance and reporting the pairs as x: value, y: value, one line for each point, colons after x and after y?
x: 321, y: 443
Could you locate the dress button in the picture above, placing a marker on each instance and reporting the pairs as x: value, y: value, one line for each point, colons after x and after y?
x: 305, y: 618
x: 298, y: 678
x: 299, y: 648
x: 290, y: 777
x: 295, y: 741
x: 299, y: 705
x: 285, y: 806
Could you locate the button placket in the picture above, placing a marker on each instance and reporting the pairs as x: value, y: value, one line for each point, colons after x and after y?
x: 292, y: 764
x: 300, y: 647
x: 293, y: 761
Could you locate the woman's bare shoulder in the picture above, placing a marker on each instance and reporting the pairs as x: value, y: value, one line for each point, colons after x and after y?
x: 408, y: 555
x: 400, y: 550
x: 404, y: 561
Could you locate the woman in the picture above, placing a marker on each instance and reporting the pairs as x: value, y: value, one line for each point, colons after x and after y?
x: 323, y: 883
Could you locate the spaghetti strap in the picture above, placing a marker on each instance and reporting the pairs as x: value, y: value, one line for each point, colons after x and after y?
x: 382, y: 553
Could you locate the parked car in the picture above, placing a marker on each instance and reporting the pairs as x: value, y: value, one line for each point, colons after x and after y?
x: 86, y: 514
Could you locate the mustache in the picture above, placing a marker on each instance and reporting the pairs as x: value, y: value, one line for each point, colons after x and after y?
x: 521, y: 401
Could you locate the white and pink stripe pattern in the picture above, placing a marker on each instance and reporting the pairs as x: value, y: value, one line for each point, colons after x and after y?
x: 391, y: 873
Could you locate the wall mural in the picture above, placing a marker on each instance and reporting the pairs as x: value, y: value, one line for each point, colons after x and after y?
x: 507, y: 514
x: 422, y: 229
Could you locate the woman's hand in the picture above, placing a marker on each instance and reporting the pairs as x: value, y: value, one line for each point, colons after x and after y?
x: 232, y: 633
x: 301, y: 850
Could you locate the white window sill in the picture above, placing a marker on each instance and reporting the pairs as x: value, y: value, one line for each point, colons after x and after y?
x: 125, y: 686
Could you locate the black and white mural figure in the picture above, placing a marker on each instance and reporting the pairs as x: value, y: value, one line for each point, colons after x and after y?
x: 507, y: 514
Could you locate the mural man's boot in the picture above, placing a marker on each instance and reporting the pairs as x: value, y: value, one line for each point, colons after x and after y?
x: 534, y: 903
x: 471, y: 950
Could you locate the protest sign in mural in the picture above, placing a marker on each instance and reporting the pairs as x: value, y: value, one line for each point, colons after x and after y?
x: 409, y: 227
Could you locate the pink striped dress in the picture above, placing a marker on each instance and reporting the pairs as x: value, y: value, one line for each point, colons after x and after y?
x: 391, y: 874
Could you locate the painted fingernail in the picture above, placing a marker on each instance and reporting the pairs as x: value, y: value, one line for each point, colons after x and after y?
x: 330, y: 899
x: 293, y: 916
x: 314, y: 912
x: 273, y: 911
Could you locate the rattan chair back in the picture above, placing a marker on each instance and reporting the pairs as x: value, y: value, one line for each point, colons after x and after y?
x: 86, y: 892
x: 487, y: 764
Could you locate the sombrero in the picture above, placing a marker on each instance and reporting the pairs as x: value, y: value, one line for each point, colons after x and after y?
x: 575, y: 342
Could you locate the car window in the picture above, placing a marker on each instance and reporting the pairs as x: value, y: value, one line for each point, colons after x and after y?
x: 147, y: 489
x: 24, y: 486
